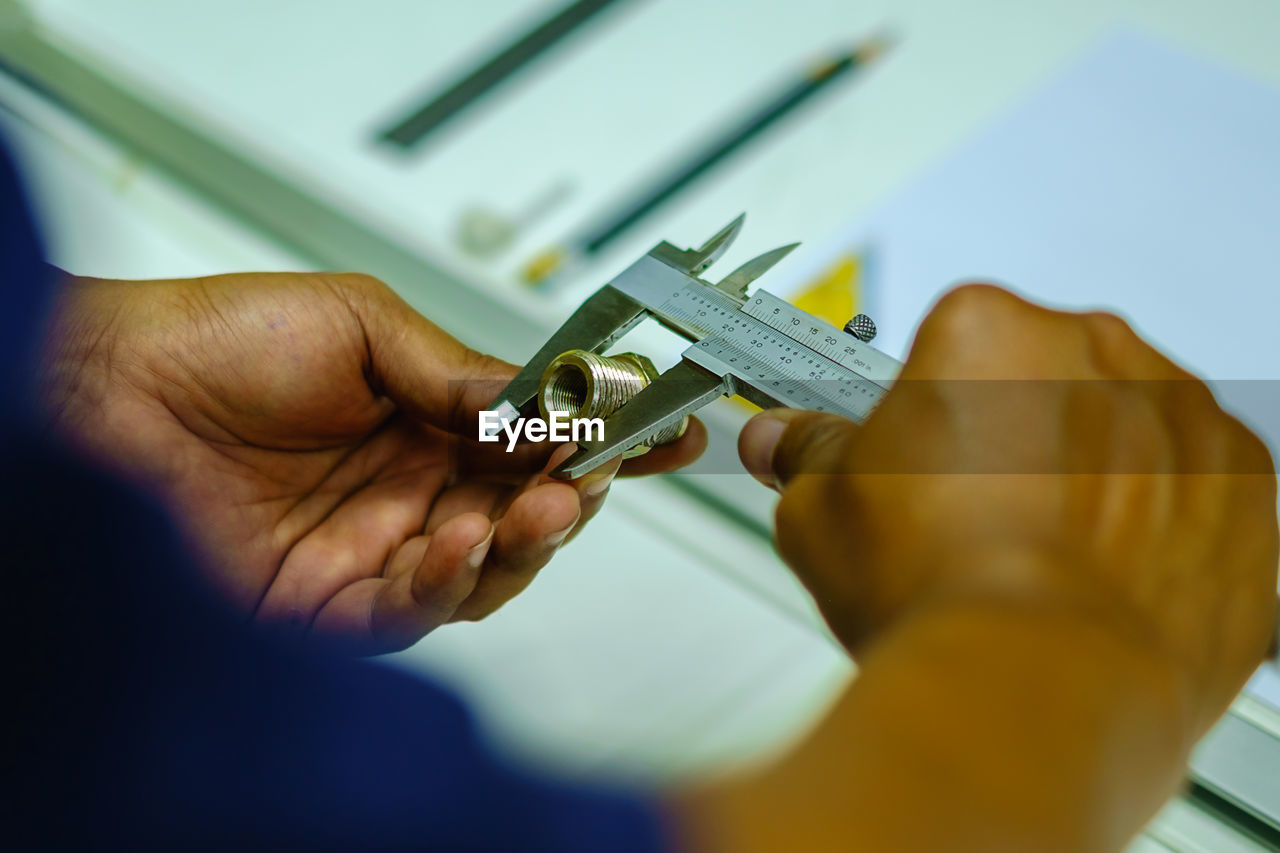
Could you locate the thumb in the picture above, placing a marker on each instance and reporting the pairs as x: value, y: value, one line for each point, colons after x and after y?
x: 779, y: 444
x: 425, y: 371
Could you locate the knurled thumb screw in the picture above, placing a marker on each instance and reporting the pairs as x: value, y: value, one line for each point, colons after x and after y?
x: 861, y: 327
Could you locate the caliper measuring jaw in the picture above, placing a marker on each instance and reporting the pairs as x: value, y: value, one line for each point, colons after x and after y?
x: 763, y: 349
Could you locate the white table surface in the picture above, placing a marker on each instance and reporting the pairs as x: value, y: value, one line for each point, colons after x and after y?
x: 303, y: 86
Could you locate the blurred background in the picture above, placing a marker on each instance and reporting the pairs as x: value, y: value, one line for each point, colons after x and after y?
x: 495, y: 161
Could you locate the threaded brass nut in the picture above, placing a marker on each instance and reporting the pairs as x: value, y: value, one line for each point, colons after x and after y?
x: 587, y: 385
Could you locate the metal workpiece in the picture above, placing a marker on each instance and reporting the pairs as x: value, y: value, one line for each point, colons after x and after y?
x: 757, y: 346
x: 668, y: 402
x: 603, y: 318
x: 582, y: 384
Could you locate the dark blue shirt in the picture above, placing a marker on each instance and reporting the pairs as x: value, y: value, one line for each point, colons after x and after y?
x: 146, y: 715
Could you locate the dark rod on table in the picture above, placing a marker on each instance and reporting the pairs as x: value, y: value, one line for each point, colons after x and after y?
x: 415, y: 127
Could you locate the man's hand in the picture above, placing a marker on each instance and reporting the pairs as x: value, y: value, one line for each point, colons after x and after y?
x: 1055, y: 559
x: 1037, y: 456
x: 317, y: 438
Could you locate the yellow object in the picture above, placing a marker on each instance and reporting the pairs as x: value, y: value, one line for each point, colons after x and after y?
x: 833, y: 296
x: 543, y: 266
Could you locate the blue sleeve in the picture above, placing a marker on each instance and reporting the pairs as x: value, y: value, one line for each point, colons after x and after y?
x: 148, y: 717
x: 24, y: 296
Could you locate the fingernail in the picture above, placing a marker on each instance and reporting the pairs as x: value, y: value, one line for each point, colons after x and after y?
x: 554, y: 540
x: 600, y: 486
x: 475, y: 557
x: 757, y: 443
x: 561, y: 453
x: 604, y: 479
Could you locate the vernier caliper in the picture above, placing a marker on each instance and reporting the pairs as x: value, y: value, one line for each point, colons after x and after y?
x: 760, y: 347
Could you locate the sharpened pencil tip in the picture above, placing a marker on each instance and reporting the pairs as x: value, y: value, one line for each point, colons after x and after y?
x: 875, y: 47
x: 863, y: 53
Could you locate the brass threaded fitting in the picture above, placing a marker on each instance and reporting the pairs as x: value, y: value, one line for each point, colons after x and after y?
x: 587, y: 385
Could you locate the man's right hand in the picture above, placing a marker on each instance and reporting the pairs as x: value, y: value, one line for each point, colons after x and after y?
x: 1054, y: 557
x: 1030, y: 455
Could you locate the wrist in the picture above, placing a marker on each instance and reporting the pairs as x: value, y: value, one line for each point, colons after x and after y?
x: 1059, y: 722
x: 1055, y: 635
x: 1043, y: 591
x: 1015, y: 723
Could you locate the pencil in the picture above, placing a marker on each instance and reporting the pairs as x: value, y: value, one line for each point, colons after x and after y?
x: 553, y: 260
x: 416, y: 126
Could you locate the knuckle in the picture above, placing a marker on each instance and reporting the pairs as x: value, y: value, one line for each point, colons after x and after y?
x: 1109, y: 328
x: 971, y: 298
x: 969, y: 308
x: 1253, y: 452
x: 1194, y: 397
x: 360, y: 282
x: 484, y: 366
x: 1117, y: 350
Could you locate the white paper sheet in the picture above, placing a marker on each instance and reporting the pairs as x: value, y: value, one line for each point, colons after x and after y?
x: 1140, y: 179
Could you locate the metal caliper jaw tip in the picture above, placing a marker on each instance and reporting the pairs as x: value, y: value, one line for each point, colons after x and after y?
x: 695, y: 262
x: 736, y: 283
x: 507, y: 413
